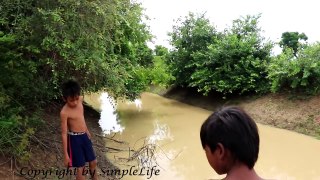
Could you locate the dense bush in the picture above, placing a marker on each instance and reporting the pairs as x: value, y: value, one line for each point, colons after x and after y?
x: 159, y: 73
x: 102, y: 44
x: 192, y: 34
x: 233, y: 61
x: 300, y: 74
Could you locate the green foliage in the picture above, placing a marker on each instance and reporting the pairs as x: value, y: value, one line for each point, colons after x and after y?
x: 159, y: 73
x: 15, y: 129
x: 138, y: 82
x: 17, y: 75
x: 192, y: 34
x: 130, y: 34
x: 300, y: 74
x: 96, y: 42
x: 102, y: 44
x: 14, y: 92
x: 291, y: 40
x: 233, y: 61
x: 161, y: 50
x: 21, y: 150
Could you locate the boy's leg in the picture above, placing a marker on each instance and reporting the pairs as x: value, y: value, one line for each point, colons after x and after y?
x: 80, y: 175
x: 90, y: 157
x: 77, y: 156
x: 92, y: 168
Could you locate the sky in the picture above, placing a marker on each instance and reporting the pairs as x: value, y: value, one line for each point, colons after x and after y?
x: 277, y: 16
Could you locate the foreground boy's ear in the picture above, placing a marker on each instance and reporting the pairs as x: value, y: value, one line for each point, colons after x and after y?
x: 221, y: 151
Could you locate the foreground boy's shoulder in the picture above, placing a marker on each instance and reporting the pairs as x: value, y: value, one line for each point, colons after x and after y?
x: 81, y: 98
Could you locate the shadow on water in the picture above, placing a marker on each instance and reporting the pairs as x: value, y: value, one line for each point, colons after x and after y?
x: 133, y: 114
x: 212, y: 101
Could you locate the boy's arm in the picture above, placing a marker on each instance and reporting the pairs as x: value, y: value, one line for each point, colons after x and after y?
x: 89, y: 135
x: 87, y: 130
x: 64, y: 130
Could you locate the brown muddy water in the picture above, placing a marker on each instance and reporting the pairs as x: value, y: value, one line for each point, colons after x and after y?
x: 171, y: 131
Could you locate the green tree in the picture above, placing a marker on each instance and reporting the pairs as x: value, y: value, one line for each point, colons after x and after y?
x: 300, y: 74
x: 191, y: 34
x: 131, y: 34
x: 236, y: 63
x: 15, y: 125
x: 161, y: 50
x: 102, y: 44
x: 99, y: 43
x: 292, y: 40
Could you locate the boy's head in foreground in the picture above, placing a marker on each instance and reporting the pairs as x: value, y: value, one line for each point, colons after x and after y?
x: 230, y: 136
x: 71, y: 92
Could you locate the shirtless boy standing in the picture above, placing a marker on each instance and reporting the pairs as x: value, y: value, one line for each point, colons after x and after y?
x: 77, y: 146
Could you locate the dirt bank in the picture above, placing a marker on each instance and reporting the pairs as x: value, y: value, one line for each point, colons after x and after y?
x: 46, y: 150
x: 278, y: 110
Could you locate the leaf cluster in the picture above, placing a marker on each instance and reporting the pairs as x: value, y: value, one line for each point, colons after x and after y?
x: 102, y: 44
x: 232, y: 61
x: 296, y: 73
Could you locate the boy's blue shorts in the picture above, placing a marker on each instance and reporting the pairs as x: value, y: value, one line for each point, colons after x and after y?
x: 80, y: 149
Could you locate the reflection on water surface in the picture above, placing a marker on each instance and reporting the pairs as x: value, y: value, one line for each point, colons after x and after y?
x: 174, y: 128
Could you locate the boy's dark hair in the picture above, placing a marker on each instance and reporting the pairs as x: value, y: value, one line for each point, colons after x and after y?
x: 70, y: 88
x: 235, y: 130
